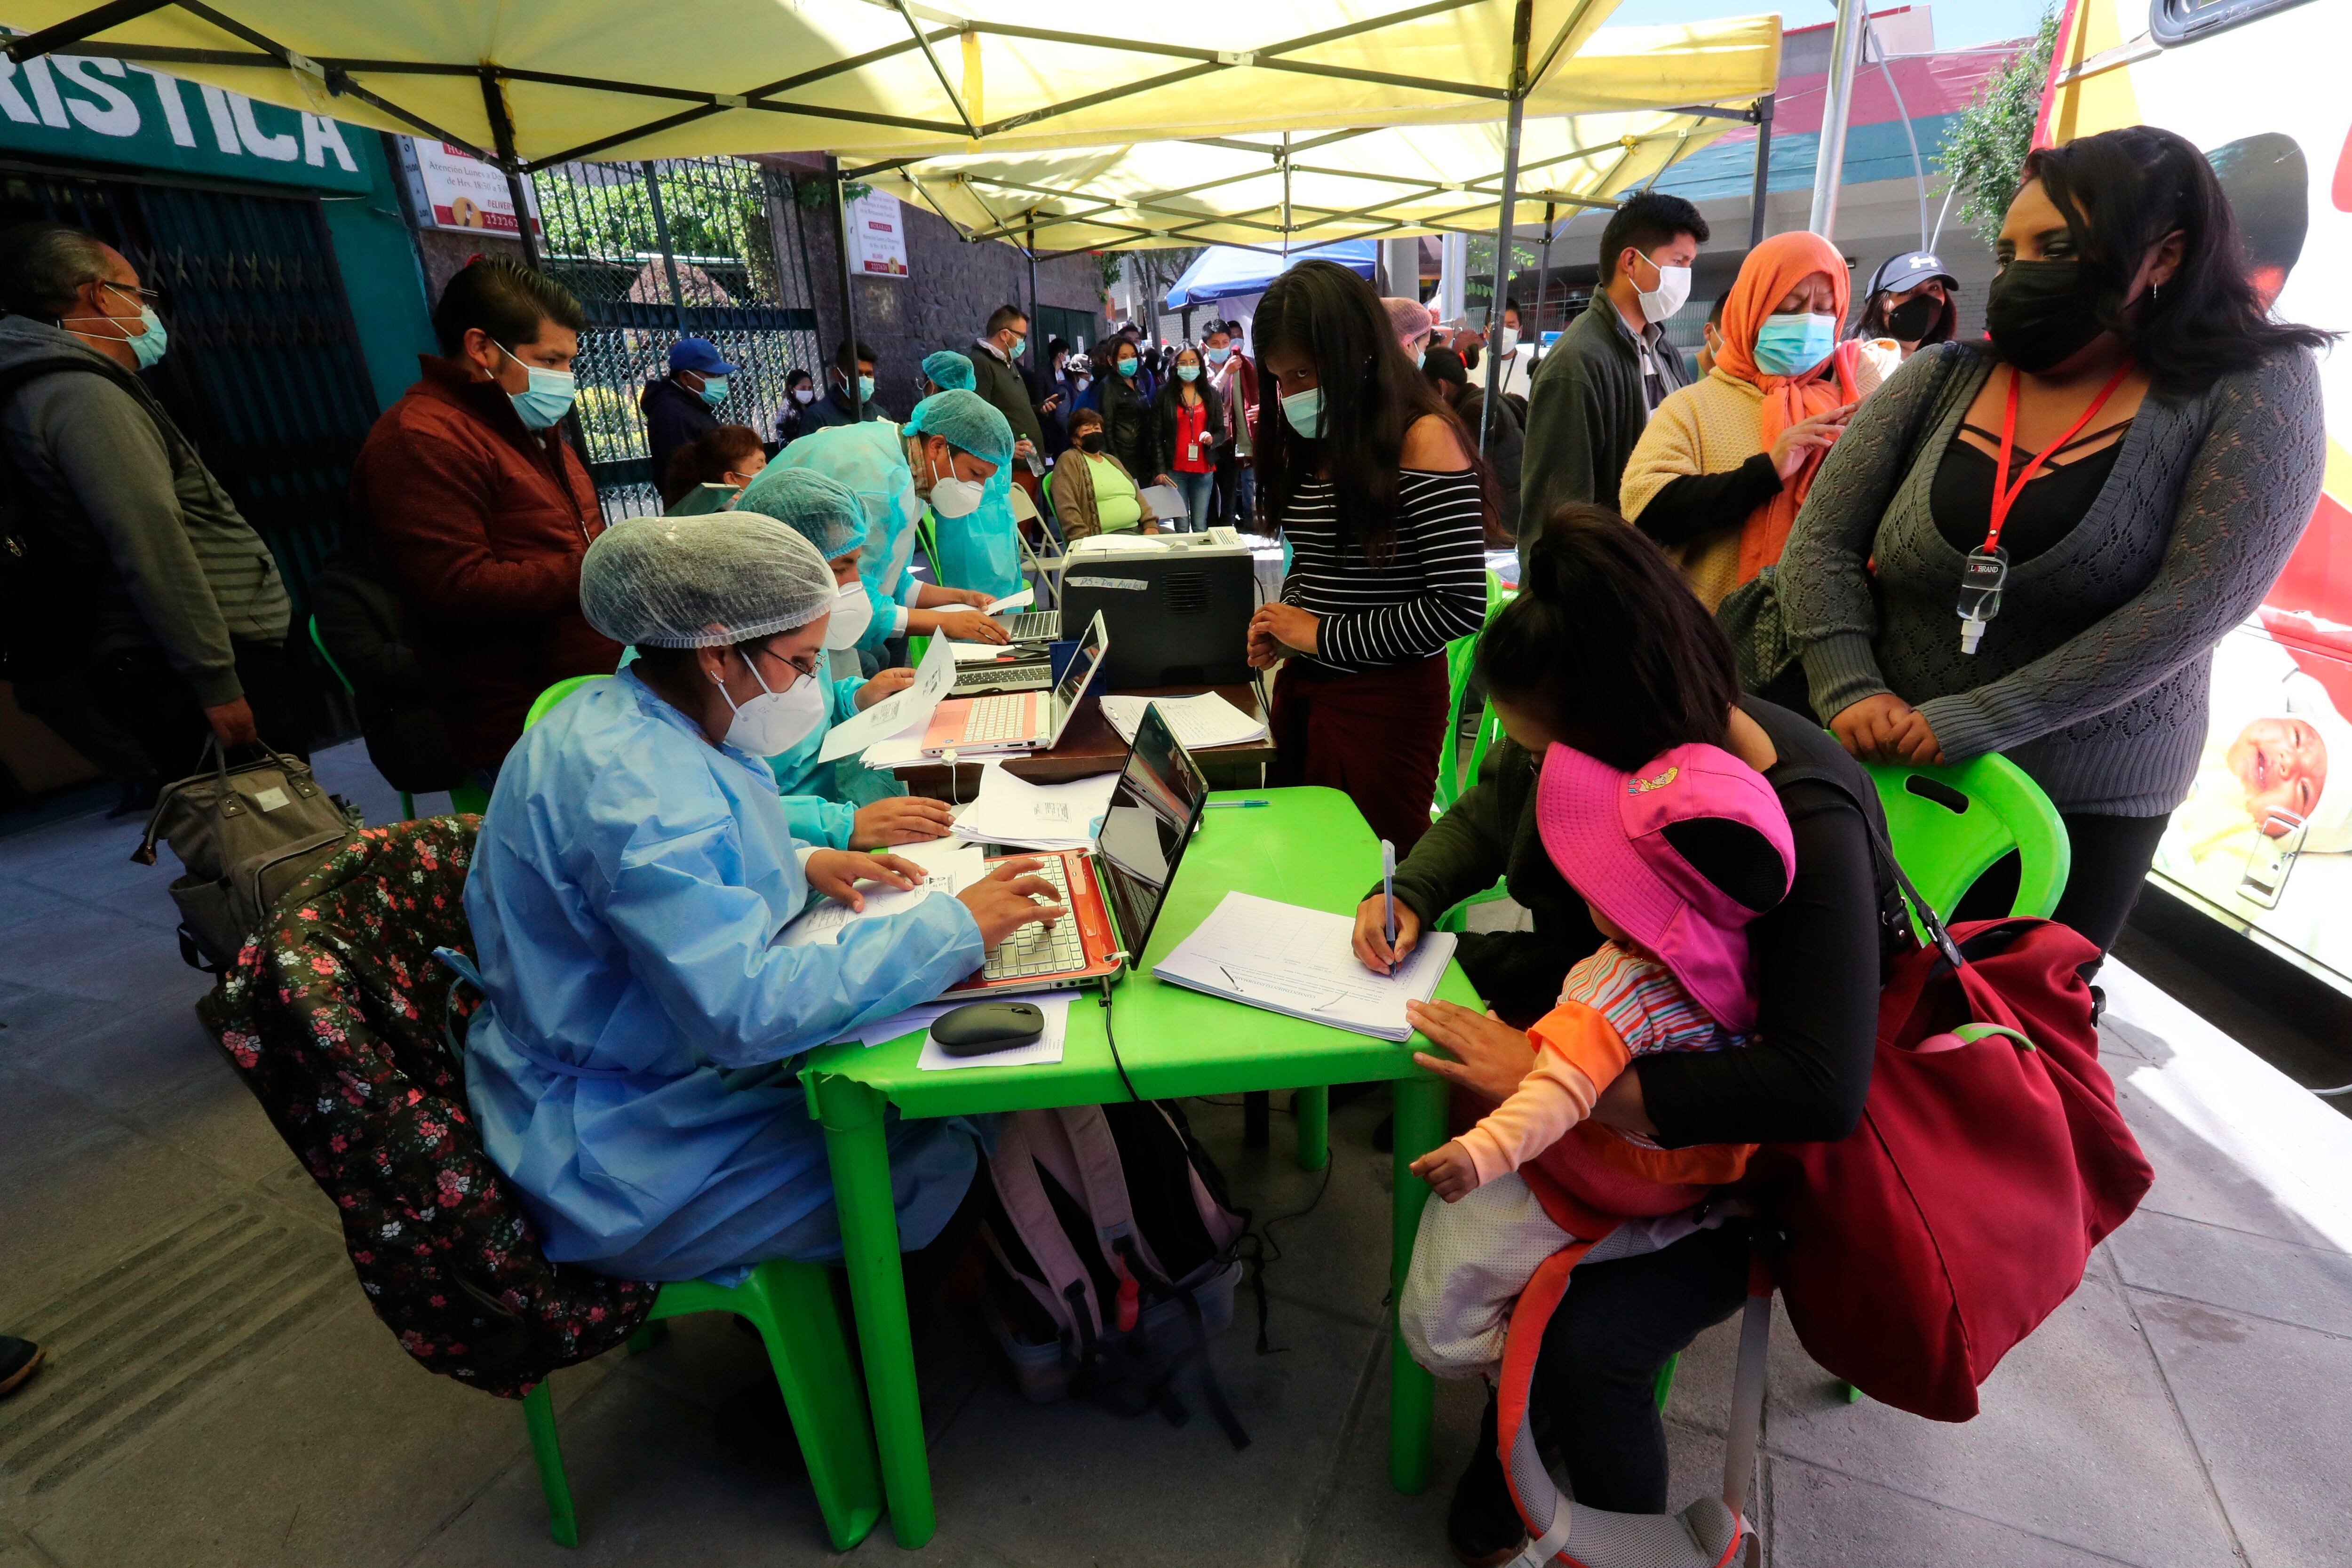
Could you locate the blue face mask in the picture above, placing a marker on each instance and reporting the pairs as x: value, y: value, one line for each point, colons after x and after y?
x: 1219, y: 356
x: 542, y: 404
x: 714, y: 390
x: 1304, y: 410
x: 1188, y: 373
x: 1791, y: 345
x: 1127, y: 367
x: 148, y: 343
x: 865, y: 389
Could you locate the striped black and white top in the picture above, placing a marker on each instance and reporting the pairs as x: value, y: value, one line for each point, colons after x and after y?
x: 1432, y: 590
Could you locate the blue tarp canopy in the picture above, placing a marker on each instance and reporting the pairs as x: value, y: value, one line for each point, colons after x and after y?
x: 1224, y: 271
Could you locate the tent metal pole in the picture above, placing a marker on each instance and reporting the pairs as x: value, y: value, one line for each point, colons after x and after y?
x: 1837, y: 105
x: 1543, y: 275
x: 494, y: 101
x: 1763, y: 169
x: 661, y: 238
x: 1286, y: 198
x: 854, y: 387
x: 1522, y: 22
x: 1036, y: 353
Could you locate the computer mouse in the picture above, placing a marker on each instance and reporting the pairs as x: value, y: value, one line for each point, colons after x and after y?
x: 987, y: 1026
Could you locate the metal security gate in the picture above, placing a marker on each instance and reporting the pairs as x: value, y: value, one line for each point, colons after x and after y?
x: 707, y: 247
x: 265, y: 373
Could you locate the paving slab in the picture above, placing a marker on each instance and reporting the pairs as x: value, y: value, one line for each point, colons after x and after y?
x: 22, y: 902
x: 1821, y: 1519
x: 2266, y: 1404
x: 2196, y: 1181
x: 36, y: 1016
x: 2307, y: 1286
x: 140, y: 1051
x: 334, y: 1448
x: 87, y: 950
x: 2078, y: 1441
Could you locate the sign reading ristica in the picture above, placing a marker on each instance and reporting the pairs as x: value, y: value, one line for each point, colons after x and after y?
x: 878, y: 236
x: 100, y: 110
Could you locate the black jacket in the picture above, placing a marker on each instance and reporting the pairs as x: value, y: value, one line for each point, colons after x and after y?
x: 359, y: 625
x: 1163, y: 427
x: 1127, y: 425
x: 831, y: 409
x: 674, y: 417
x: 1007, y: 391
x: 1585, y: 412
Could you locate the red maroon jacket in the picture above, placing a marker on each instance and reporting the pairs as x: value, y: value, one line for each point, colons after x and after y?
x: 480, y: 524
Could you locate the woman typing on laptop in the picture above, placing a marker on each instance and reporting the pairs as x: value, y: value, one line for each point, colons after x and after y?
x: 632, y: 1068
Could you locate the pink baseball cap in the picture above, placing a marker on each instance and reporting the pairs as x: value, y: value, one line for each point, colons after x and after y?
x: 1632, y: 845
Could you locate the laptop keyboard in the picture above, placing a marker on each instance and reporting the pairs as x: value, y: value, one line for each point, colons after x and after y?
x: 1036, y: 626
x: 1004, y: 717
x: 1026, y: 676
x: 1036, y: 950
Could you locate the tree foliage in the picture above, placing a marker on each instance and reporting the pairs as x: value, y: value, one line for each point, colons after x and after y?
x: 1984, y: 148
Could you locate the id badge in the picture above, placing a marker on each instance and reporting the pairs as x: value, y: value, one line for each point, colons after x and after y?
x: 1980, y: 583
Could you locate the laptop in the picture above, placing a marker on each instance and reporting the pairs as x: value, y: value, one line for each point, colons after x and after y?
x: 1022, y: 667
x: 1019, y: 720
x: 1034, y: 625
x: 1113, y: 896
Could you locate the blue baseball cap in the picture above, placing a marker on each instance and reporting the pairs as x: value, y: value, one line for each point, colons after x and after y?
x: 700, y: 355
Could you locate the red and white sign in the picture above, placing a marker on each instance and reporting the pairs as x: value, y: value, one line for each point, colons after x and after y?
x: 878, y: 236
x: 456, y: 190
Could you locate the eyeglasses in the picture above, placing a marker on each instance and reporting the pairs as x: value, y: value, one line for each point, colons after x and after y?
x: 804, y: 666
x: 145, y: 295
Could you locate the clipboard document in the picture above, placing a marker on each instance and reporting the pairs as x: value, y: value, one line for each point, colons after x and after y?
x: 1300, y: 963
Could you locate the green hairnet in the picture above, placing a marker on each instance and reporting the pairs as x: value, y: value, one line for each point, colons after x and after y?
x: 702, y: 582
x: 827, y: 513
x: 949, y: 370
x: 868, y: 457
x: 966, y: 421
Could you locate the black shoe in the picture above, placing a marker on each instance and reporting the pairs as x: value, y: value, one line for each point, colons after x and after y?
x: 19, y: 1359
x: 1483, y: 1525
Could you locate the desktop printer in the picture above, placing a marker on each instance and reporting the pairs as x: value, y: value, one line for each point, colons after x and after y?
x: 1177, y: 605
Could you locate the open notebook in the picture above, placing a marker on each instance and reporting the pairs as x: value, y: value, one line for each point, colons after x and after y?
x: 1299, y: 961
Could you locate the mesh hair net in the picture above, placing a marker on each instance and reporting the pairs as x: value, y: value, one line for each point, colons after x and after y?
x: 869, y: 458
x: 827, y: 513
x: 949, y: 370
x: 966, y: 421
x: 702, y: 582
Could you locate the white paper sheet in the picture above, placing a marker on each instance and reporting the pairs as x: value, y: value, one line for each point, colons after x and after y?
x: 1300, y: 962
x: 1206, y: 719
x: 933, y: 679
x: 825, y: 922
x: 899, y: 1024
x: 1163, y: 501
x: 1010, y: 810
x: 1020, y: 601
x: 1044, y: 1051
x: 979, y: 652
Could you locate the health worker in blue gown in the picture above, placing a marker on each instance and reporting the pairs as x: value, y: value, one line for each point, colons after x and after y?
x: 841, y: 804
x: 633, y: 1068
x: 961, y: 454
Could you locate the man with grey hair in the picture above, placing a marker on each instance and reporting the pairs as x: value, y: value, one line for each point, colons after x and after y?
x: 170, y: 608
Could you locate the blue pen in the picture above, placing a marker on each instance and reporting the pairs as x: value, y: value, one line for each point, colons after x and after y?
x: 1236, y: 805
x: 1388, y: 887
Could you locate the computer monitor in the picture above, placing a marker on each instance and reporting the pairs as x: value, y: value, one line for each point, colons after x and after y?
x: 1154, y: 809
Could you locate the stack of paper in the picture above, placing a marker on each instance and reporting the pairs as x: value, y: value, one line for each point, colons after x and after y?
x: 1301, y: 963
x: 1042, y: 1051
x: 905, y: 710
x: 1012, y: 810
x: 1207, y: 720
x: 1020, y: 601
x: 946, y: 872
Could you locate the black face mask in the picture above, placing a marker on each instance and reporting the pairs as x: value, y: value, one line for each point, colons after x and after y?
x: 1914, y: 319
x: 2041, y: 313
x: 1090, y: 442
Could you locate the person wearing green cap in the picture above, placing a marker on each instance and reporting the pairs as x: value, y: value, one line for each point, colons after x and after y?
x: 961, y: 450
x: 947, y: 371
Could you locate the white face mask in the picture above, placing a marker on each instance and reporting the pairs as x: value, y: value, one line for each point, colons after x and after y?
x: 1669, y: 296
x: 954, y: 497
x: 852, y: 612
x: 803, y: 395
x: 1510, y: 341
x: 775, y: 722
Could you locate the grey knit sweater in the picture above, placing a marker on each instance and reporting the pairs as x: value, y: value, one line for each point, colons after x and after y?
x: 2092, y: 677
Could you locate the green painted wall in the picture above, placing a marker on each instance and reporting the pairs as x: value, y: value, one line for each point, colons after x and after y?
x: 381, y: 277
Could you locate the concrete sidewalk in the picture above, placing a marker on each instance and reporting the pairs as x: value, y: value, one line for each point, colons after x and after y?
x: 218, y: 1393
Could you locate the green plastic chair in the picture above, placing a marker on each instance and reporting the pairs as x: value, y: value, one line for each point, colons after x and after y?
x: 793, y: 1307
x: 1949, y: 824
x: 1461, y: 654
x: 544, y: 703
x: 407, y: 801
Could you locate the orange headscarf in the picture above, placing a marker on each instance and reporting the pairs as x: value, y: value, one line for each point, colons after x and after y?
x: 1772, y: 269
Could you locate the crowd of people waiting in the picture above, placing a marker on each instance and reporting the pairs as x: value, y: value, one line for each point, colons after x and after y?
x: 1746, y: 574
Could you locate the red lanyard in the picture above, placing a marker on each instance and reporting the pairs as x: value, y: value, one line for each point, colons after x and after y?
x: 2003, y: 498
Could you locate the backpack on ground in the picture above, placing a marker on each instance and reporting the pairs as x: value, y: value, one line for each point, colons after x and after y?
x: 244, y: 835
x: 1111, y: 1255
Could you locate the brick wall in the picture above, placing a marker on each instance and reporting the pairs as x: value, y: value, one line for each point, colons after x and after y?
x: 943, y: 302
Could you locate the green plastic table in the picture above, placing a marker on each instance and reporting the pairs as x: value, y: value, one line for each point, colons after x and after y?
x: 1309, y: 847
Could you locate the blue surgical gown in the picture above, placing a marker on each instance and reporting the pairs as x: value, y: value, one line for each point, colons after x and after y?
x: 634, y: 1070
x: 821, y: 799
x: 982, y: 550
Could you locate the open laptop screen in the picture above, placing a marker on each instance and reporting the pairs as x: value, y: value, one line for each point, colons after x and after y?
x: 1071, y: 689
x: 1153, y: 811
